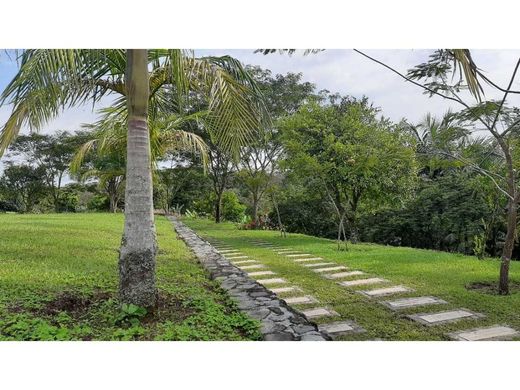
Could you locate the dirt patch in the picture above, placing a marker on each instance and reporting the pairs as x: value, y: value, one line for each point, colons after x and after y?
x: 169, y: 307
x: 73, y: 303
x: 491, y: 288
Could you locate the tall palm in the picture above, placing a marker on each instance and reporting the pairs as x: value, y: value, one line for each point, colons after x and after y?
x: 49, y: 81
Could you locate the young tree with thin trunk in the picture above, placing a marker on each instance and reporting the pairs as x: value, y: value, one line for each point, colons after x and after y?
x: 438, y: 77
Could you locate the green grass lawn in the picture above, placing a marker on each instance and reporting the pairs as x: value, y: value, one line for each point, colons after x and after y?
x: 440, y: 274
x: 58, y: 281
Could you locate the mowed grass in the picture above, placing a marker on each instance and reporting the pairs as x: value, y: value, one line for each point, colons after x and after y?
x: 429, y: 273
x: 59, y: 279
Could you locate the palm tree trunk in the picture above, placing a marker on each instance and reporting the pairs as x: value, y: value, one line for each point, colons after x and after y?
x: 138, y: 247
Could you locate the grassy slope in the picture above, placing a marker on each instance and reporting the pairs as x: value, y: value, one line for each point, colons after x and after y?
x: 58, y: 280
x: 429, y: 272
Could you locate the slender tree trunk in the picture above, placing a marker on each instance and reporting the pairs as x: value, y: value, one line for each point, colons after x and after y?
x: 218, y: 207
x: 138, y: 247
x: 280, y: 225
x: 113, y: 203
x: 255, y: 210
x: 507, y: 252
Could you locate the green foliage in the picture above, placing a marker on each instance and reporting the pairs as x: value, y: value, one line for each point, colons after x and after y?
x: 343, y: 151
x: 99, y: 202
x: 446, y: 214
x: 232, y: 209
x: 80, y: 257
x: 23, y: 186
x: 130, y: 314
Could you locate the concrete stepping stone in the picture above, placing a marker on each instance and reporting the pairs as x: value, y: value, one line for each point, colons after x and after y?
x: 381, y: 292
x: 340, y: 328
x: 495, y: 332
x: 266, y: 282
x: 444, y: 317
x: 316, y: 264
x: 252, y: 266
x: 261, y: 273
x: 299, y: 255
x: 300, y: 300
x: 319, y: 312
x: 287, y: 252
x: 405, y: 303
x: 228, y: 252
x: 361, y: 282
x: 307, y: 259
x: 340, y: 275
x: 327, y: 269
x: 237, y: 257
x: 281, y: 290
x: 244, y: 262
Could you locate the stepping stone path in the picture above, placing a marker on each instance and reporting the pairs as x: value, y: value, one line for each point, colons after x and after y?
x: 444, y: 316
x: 261, y: 273
x: 381, y: 292
x: 272, y: 281
x: 497, y: 332
x: 300, y: 300
x: 281, y: 290
x: 361, y: 282
x: 278, y: 320
x: 340, y: 275
x: 244, y: 262
x: 328, y: 269
x: 237, y: 257
x: 340, y: 328
x: 253, y: 266
x: 316, y: 264
x: 308, y: 259
x: 405, y: 303
x: 319, y: 312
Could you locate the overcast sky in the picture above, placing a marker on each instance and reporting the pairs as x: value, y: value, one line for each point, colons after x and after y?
x: 341, y: 71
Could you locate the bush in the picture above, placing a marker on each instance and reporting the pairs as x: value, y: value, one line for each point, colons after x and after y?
x: 99, y: 203
x: 232, y: 209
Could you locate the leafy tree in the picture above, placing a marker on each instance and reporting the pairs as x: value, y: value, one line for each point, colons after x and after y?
x: 283, y: 95
x: 349, y: 155
x: 23, y: 185
x: 52, y: 154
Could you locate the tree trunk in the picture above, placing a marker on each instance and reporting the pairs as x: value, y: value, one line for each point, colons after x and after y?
x: 255, y: 211
x: 280, y: 225
x: 113, y: 203
x: 507, y: 252
x: 218, y: 208
x: 138, y: 247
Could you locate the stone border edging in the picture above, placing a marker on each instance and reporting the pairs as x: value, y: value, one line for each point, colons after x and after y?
x: 279, y: 321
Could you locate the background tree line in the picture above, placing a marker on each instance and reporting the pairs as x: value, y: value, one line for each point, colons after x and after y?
x: 326, y: 165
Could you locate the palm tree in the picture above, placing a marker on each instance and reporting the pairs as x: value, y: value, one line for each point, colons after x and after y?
x: 435, y: 139
x: 145, y: 81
